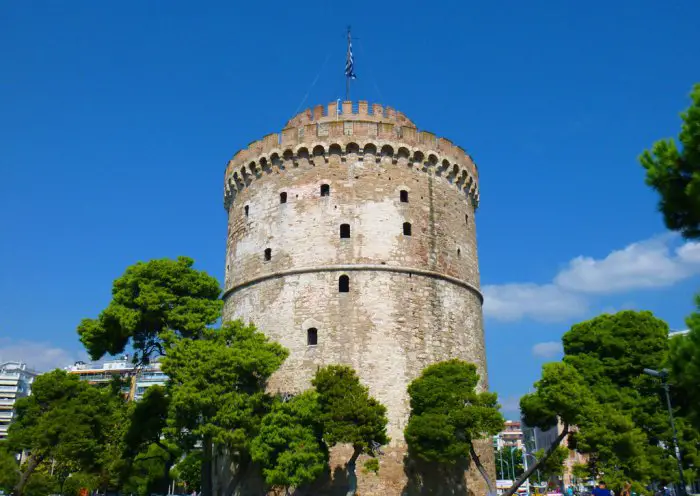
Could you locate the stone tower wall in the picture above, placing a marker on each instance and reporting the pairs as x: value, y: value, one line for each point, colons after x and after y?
x: 412, y: 299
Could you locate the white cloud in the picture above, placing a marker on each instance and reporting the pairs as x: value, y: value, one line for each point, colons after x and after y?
x: 510, y: 407
x: 38, y: 355
x: 548, y: 349
x: 647, y: 264
x: 510, y: 302
x: 652, y: 263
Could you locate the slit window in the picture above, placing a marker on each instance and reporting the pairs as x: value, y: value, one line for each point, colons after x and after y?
x: 466, y: 219
x: 312, y: 336
x: 325, y: 190
x: 403, y: 196
x: 406, y: 228
x: 344, y: 230
x: 245, y: 209
x: 283, y: 197
x: 344, y: 284
x: 268, y: 254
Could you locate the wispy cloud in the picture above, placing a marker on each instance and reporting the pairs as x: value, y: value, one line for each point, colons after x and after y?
x: 548, y: 349
x: 510, y: 407
x: 38, y: 355
x: 652, y: 263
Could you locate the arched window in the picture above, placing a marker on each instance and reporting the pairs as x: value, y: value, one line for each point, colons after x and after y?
x: 406, y: 228
x: 344, y: 284
x: 325, y: 190
x: 268, y: 254
x: 245, y: 209
x: 344, y: 230
x: 312, y: 336
x: 403, y: 196
x: 283, y: 197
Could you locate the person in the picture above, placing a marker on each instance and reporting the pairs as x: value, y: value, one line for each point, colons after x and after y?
x: 626, y: 489
x: 602, y: 490
x: 570, y: 491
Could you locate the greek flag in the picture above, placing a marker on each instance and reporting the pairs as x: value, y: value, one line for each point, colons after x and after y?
x: 350, y: 62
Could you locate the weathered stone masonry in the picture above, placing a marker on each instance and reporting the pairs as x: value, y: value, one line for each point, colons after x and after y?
x: 358, y: 194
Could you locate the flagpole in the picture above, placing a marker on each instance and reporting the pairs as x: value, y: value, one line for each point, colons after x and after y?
x: 347, y: 76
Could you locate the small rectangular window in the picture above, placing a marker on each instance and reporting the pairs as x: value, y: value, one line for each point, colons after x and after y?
x: 344, y: 284
x: 268, y: 254
x: 406, y: 228
x: 344, y: 230
x: 245, y: 209
x: 312, y: 336
x: 403, y: 196
x: 325, y: 190
x: 283, y: 197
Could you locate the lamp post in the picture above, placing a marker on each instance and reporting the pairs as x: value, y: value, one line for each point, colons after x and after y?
x: 663, y: 375
x: 512, y: 463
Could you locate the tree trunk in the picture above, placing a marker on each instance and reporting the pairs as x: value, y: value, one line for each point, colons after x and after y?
x: 534, y: 466
x: 482, y: 471
x: 238, y: 476
x: 32, y: 463
x: 167, y: 465
x: 207, y: 466
x: 351, y: 471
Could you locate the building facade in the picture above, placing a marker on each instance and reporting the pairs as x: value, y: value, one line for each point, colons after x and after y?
x: 352, y: 240
x: 15, y: 382
x: 138, y: 379
x: 510, y: 437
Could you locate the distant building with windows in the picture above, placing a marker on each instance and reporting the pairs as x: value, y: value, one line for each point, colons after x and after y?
x: 15, y: 382
x: 673, y: 334
x: 510, y: 437
x: 139, y: 379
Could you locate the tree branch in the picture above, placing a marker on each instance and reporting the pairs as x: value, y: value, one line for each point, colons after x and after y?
x: 534, y: 466
x: 482, y: 470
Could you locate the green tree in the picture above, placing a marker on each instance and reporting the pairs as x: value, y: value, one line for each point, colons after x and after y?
x: 448, y: 415
x: 64, y: 418
x: 675, y: 173
x: 9, y: 470
x: 149, y: 300
x: 515, y: 458
x: 553, y: 466
x: 289, y: 446
x: 626, y: 431
x: 684, y: 362
x: 349, y: 415
x: 77, y: 481
x: 217, y: 390
x: 189, y: 471
x: 561, y: 397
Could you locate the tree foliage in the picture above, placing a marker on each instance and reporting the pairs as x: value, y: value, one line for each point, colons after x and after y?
x: 148, y: 300
x: 217, y: 386
x: 349, y: 415
x: 553, y: 465
x: 626, y: 430
x: 684, y: 361
x: 674, y: 172
x: 447, y: 414
x: 9, y: 470
x: 189, y: 471
x: 289, y: 446
x: 64, y: 418
x: 516, y: 459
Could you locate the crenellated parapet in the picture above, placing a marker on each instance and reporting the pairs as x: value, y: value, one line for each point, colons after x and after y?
x: 334, y: 134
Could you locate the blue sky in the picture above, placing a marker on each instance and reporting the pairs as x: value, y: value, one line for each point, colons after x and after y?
x: 117, y: 120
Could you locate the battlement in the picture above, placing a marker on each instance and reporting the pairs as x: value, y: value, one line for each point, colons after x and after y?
x: 348, y: 111
x: 332, y: 133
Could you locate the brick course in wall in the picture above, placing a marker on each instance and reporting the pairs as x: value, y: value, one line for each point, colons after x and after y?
x: 412, y: 300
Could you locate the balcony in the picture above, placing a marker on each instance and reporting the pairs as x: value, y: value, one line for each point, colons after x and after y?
x: 6, y: 415
x: 7, y: 402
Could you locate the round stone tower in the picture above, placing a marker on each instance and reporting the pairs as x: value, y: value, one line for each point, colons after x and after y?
x: 352, y: 240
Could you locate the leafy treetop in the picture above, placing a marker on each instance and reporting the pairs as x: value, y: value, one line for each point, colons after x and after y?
x: 675, y: 173
x: 148, y: 300
x: 447, y: 414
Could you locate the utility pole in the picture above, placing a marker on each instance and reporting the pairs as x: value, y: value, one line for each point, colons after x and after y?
x: 663, y: 375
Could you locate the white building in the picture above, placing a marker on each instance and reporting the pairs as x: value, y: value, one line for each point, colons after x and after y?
x: 15, y: 382
x: 139, y: 378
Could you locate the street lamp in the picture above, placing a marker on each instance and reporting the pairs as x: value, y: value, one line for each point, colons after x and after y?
x: 512, y: 463
x: 663, y: 375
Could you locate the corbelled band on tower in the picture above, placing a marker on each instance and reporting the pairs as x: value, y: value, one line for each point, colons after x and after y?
x: 351, y: 240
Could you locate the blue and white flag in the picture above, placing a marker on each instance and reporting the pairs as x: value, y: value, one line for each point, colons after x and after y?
x: 350, y: 62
